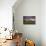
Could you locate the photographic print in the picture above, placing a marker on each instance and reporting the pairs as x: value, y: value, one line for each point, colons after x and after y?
x: 29, y: 19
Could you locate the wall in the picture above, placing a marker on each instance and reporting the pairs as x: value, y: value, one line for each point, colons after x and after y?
x: 29, y: 8
x: 6, y: 13
x: 43, y: 22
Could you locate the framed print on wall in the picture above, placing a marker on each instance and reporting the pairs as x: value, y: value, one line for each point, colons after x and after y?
x: 29, y: 19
